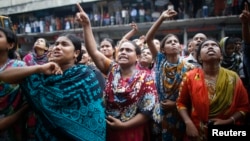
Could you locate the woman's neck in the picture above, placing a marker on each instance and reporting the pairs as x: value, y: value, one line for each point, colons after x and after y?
x: 66, y: 66
x: 211, y: 69
x: 3, y: 58
x: 144, y: 65
x: 173, y: 58
x: 127, y: 72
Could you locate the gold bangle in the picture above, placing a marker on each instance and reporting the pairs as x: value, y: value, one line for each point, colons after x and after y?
x: 243, y: 113
x: 233, y: 119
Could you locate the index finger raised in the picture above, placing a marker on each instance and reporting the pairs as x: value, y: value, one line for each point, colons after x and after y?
x: 246, y: 6
x: 79, y: 7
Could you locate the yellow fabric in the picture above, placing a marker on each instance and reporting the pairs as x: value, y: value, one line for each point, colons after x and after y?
x: 224, y: 92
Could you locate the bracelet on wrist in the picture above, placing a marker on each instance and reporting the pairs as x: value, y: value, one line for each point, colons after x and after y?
x: 233, y: 119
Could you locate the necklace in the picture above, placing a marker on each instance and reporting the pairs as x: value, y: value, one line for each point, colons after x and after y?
x: 5, y: 65
x: 118, y: 80
x: 211, y: 86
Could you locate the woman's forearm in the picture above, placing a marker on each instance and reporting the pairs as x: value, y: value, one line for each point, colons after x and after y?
x: 135, y: 121
x: 95, y: 54
x: 16, y: 75
x: 8, y: 121
x: 185, y: 116
x: 150, y: 36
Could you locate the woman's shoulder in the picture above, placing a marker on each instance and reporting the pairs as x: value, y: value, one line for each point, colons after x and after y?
x: 85, y: 68
x: 98, y: 75
x: 28, y: 55
x: 194, y: 72
x: 229, y: 72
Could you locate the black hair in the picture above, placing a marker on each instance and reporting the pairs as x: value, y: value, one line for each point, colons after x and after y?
x: 11, y: 39
x: 137, y: 48
x: 77, y: 42
x: 153, y: 59
x: 230, y: 40
x: 111, y: 41
x: 200, y: 45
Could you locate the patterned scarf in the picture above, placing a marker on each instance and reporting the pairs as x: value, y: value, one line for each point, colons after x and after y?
x: 231, y: 62
x: 126, y: 97
x: 71, y: 102
x: 169, y: 76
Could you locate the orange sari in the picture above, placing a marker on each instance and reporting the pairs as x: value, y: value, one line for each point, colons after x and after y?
x: 230, y: 97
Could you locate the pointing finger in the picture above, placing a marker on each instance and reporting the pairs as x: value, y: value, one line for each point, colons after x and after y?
x: 246, y: 6
x: 79, y: 7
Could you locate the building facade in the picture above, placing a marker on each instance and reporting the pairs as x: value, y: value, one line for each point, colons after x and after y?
x: 49, y: 18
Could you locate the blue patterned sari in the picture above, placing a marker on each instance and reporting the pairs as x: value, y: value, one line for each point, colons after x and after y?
x: 69, y: 106
x: 168, y: 80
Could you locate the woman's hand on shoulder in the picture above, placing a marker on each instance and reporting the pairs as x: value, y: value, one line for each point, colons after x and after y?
x: 50, y: 68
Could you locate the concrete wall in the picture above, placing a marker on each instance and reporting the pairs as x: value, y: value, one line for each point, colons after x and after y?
x: 8, y: 7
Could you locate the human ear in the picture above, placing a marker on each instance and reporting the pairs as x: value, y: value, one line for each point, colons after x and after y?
x: 77, y: 53
x: 11, y: 45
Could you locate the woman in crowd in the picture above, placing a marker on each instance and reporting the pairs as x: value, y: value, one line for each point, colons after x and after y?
x: 169, y: 71
x: 238, y: 48
x: 86, y: 59
x: 12, y: 105
x: 130, y: 94
x: 146, y: 60
x: 211, y: 94
x: 231, y: 60
x: 38, y: 55
x: 69, y: 106
x: 107, y: 47
x: 188, y: 49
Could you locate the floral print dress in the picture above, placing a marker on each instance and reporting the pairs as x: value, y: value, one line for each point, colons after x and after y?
x: 125, y: 98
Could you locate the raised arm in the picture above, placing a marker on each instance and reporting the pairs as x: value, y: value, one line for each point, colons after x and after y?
x: 132, y: 32
x: 89, y: 40
x: 151, y: 32
x: 17, y: 74
x: 245, y: 20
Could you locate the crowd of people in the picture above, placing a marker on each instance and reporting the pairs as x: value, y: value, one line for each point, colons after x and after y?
x: 115, y: 13
x: 133, y: 90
